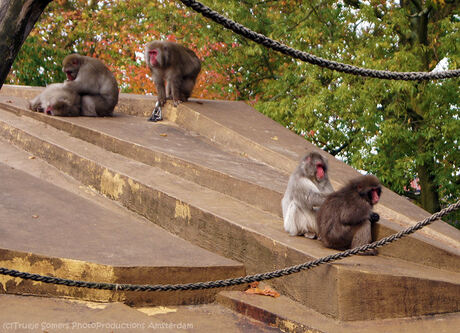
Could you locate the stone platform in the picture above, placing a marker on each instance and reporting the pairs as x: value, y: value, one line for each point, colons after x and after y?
x: 20, y: 314
x: 49, y: 225
x: 213, y: 173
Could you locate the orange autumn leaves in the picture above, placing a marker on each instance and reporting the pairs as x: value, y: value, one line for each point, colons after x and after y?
x: 255, y: 290
x: 116, y: 33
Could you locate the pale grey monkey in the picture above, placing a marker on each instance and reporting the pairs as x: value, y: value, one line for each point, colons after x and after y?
x: 57, y: 100
x: 306, y: 190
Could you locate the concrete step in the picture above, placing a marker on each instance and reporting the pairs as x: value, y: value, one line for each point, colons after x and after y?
x: 237, y: 127
x: 175, y: 150
x: 290, y: 316
x: 40, y: 314
x: 232, y: 228
x: 52, y: 227
x: 198, y: 159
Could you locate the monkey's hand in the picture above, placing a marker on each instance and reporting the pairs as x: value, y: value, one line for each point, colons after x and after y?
x: 161, y: 101
x: 374, y: 217
x: 33, y: 107
x: 176, y: 102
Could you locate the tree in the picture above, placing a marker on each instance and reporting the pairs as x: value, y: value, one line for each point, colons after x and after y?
x: 399, y: 131
x: 116, y: 32
x: 17, y: 18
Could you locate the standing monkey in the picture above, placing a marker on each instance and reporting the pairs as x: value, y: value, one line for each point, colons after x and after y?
x: 96, y: 84
x: 57, y: 100
x: 174, y: 71
x: 306, y: 190
x: 345, y: 217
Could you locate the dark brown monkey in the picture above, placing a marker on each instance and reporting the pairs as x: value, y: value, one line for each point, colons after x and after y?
x: 57, y: 100
x: 345, y: 217
x: 174, y: 70
x: 94, y: 82
x: 306, y: 190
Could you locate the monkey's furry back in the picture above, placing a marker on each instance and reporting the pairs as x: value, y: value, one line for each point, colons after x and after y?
x: 346, y: 205
x: 53, y: 93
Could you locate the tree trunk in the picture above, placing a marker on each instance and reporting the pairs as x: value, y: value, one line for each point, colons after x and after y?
x: 429, y: 195
x: 17, y: 18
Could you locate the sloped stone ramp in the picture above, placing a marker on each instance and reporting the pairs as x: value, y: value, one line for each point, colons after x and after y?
x: 212, y: 173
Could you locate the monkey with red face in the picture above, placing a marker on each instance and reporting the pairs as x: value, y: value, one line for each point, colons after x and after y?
x: 96, y: 84
x: 57, y: 100
x: 306, y: 190
x: 345, y: 217
x: 174, y: 71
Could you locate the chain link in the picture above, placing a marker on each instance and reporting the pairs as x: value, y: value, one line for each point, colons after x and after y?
x: 234, y: 281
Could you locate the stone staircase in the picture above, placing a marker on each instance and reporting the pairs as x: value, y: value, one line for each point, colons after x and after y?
x: 213, y: 174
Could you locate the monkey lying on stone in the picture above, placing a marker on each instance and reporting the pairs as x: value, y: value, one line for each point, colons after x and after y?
x: 90, y: 90
x: 57, y: 100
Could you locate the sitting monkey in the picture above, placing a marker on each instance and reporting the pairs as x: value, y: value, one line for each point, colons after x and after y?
x: 345, y: 218
x: 306, y: 190
x: 174, y: 71
x: 94, y: 82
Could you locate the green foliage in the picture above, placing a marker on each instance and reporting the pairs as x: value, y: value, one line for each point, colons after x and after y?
x: 399, y: 131
x: 35, y: 56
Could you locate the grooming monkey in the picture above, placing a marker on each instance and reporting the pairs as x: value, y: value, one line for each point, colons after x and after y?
x: 57, y: 100
x: 345, y: 217
x: 174, y: 71
x: 306, y: 190
x: 97, y: 86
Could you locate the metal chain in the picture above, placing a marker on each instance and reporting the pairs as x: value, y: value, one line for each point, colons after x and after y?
x: 234, y: 281
x: 307, y: 57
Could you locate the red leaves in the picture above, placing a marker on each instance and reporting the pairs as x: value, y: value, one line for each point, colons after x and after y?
x: 254, y: 289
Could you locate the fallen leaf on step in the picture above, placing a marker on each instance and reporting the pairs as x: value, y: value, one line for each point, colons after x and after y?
x: 31, y: 157
x: 35, y: 216
x: 163, y: 134
x: 254, y: 289
x: 275, y: 138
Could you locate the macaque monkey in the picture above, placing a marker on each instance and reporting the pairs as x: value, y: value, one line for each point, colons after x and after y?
x: 97, y: 86
x: 345, y: 217
x: 174, y: 71
x: 306, y: 190
x: 57, y: 100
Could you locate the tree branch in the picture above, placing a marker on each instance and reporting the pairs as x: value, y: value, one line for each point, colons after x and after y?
x: 417, y: 5
x: 353, y: 3
x: 17, y: 18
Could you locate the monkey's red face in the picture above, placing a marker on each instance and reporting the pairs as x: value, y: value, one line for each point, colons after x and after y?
x: 49, y: 110
x: 71, y: 70
x: 153, y: 57
x: 375, y: 195
x: 319, y: 171
x: 69, y: 76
